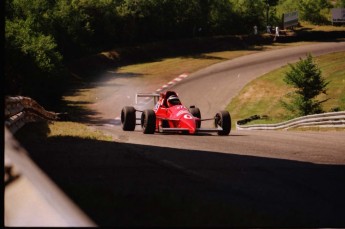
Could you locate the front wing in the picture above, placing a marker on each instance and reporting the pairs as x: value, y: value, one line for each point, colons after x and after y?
x: 178, y: 130
x: 197, y: 130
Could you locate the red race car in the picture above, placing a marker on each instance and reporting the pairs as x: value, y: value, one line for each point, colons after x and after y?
x: 170, y: 116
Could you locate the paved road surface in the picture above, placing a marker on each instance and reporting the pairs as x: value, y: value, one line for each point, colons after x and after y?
x: 211, y: 89
x: 294, y: 174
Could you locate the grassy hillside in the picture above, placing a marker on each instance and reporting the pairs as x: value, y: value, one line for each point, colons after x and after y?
x: 262, y: 96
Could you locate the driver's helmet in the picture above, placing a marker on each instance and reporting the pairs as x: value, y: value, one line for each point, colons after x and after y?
x: 173, y: 100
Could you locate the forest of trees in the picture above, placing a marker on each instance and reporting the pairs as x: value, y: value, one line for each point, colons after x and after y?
x: 42, y: 36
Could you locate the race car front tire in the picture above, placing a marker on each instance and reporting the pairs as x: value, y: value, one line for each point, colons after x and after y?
x: 128, y: 119
x: 196, y: 113
x: 223, y: 119
x: 148, y: 121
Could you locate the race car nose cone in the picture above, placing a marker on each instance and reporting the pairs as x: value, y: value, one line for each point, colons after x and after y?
x: 188, y: 121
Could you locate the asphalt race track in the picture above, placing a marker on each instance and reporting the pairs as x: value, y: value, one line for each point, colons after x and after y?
x: 211, y: 89
x: 249, y: 178
x: 277, y: 178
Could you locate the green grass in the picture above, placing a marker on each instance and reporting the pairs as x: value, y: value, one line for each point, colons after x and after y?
x: 73, y: 129
x: 262, y: 96
x: 45, y: 130
x: 324, y: 28
x: 167, y: 69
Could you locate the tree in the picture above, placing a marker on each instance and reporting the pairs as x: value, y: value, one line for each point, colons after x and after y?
x: 314, y: 11
x: 340, y: 3
x: 308, y: 82
x: 33, y: 64
x: 252, y: 13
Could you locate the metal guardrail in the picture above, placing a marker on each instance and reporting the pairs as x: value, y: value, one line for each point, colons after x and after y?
x: 330, y: 119
x: 21, y: 110
x: 23, y: 174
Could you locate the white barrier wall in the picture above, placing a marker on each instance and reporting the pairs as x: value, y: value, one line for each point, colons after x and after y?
x: 290, y: 19
x: 338, y: 15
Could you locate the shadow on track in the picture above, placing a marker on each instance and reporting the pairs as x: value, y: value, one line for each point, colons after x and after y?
x: 120, y: 184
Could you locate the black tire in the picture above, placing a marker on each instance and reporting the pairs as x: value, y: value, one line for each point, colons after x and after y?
x: 223, y: 119
x: 196, y: 113
x: 148, y: 122
x: 128, y: 119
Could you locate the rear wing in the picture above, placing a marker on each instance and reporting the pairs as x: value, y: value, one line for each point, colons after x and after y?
x: 155, y: 97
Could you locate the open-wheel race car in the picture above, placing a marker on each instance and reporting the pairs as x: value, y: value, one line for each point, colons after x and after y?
x: 170, y: 116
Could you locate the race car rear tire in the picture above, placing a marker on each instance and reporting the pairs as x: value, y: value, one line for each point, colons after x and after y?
x: 196, y: 113
x: 128, y: 119
x: 148, y: 122
x: 223, y: 119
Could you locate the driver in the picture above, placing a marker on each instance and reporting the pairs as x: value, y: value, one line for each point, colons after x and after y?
x: 173, y: 100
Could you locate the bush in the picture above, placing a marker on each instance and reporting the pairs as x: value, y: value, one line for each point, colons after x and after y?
x: 308, y: 82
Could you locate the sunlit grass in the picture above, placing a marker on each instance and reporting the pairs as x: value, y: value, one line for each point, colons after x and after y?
x: 324, y: 28
x: 167, y: 69
x: 73, y: 129
x: 263, y: 95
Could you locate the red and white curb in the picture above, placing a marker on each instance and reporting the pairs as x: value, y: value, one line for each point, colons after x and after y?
x: 166, y: 86
x: 173, y: 82
x: 181, y: 77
